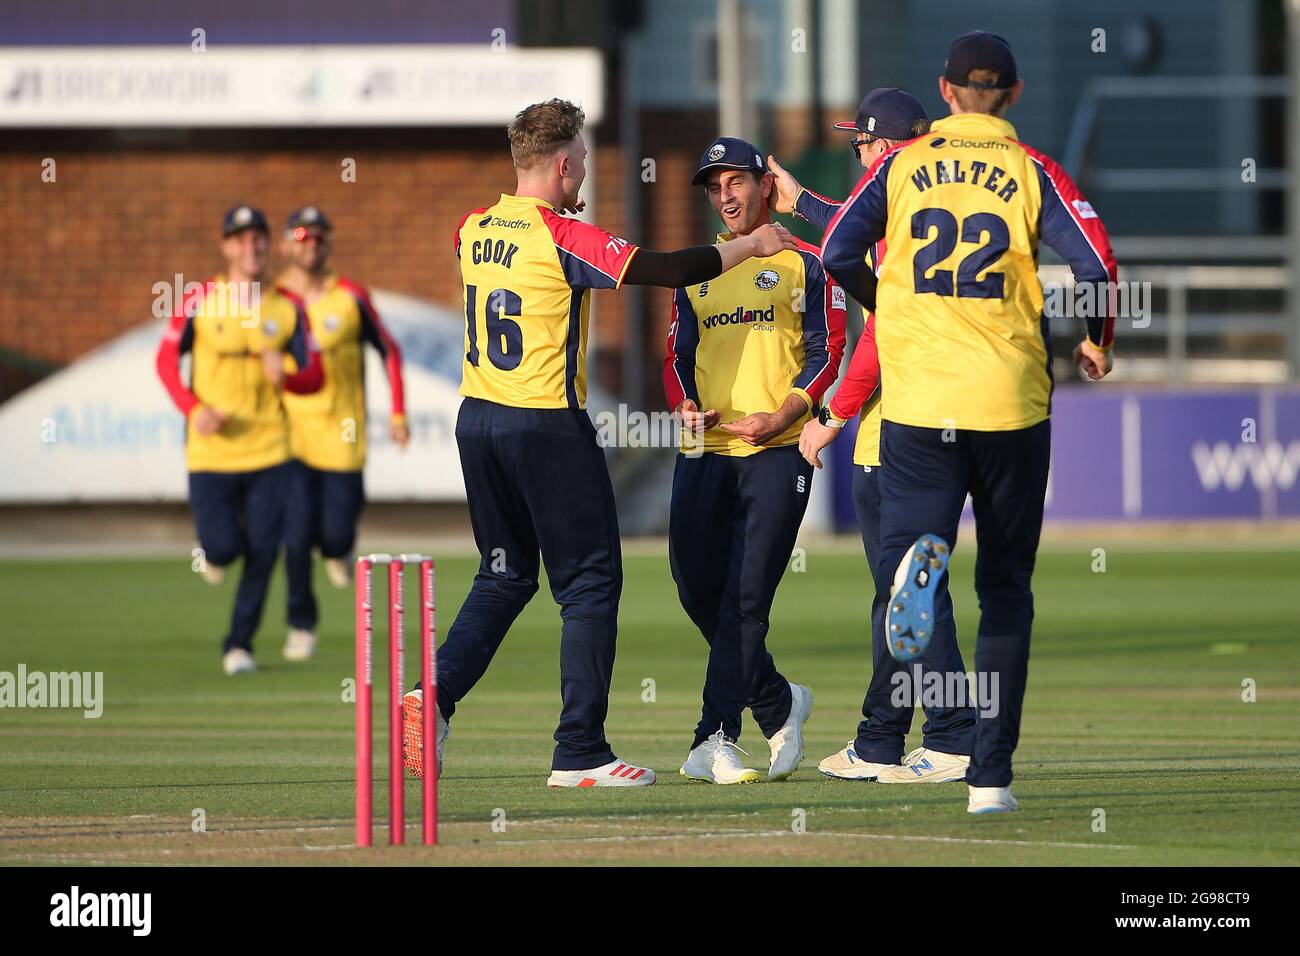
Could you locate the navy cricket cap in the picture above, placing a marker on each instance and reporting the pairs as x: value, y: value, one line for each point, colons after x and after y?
x: 980, y: 51
x: 887, y: 113
x: 727, y: 152
x: 308, y: 217
x: 241, y: 218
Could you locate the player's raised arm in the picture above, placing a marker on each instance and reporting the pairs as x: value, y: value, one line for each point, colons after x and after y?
x: 791, y: 197
x: 697, y: 264
x: 858, y: 225
x: 887, y: 118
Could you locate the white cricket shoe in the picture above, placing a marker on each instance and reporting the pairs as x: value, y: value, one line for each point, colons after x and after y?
x: 847, y: 765
x: 787, y: 743
x: 212, y: 573
x: 927, y: 766
x: 716, y: 761
x: 238, y: 661
x: 300, y: 645
x: 991, y: 800
x: 616, y: 773
x: 339, y: 572
x: 413, y: 733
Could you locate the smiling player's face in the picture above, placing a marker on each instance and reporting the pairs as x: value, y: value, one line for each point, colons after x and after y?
x: 246, y: 251
x: 739, y: 198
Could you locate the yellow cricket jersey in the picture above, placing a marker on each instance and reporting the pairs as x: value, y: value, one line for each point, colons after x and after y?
x: 859, y: 391
x: 866, y: 450
x: 741, y: 343
x: 959, y: 309
x: 327, y: 429
x: 227, y: 328
x: 526, y: 271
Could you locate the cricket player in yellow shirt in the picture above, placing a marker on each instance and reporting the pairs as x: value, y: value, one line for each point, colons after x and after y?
x: 238, y: 329
x: 966, y: 373
x: 750, y: 355
x: 536, y: 481
x: 886, y: 118
x: 327, y: 429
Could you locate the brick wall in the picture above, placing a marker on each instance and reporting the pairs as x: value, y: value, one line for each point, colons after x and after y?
x: 79, y: 257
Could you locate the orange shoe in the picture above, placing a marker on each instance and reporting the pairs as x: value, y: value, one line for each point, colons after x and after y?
x: 413, y: 732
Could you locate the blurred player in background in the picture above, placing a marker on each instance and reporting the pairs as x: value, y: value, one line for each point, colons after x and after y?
x: 535, y: 476
x: 966, y: 367
x: 886, y: 118
x: 237, y: 433
x: 750, y: 354
x: 327, y: 429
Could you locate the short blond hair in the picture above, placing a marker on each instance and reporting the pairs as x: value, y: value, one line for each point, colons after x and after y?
x: 539, y: 131
x: 919, y: 128
x: 993, y: 102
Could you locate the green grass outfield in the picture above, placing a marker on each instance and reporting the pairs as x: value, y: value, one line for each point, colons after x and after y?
x: 1134, y: 709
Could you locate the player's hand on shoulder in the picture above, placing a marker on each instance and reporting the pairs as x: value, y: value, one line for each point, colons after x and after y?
x: 577, y: 207
x: 771, y: 238
x: 787, y: 187
x: 207, y: 420
x: 1095, y: 362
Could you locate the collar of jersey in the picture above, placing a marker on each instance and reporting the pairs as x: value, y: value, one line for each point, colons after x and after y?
x: 993, y: 125
x: 331, y: 280
x: 526, y: 200
x: 728, y: 236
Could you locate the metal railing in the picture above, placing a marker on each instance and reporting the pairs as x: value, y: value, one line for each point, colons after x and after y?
x: 1176, y: 322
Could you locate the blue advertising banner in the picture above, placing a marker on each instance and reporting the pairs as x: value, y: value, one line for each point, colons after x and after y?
x: 1167, y: 456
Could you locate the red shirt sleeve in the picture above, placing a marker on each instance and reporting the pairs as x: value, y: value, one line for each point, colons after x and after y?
x: 591, y: 257
x: 302, y: 345
x: 863, y: 377
x: 679, y: 362
x: 455, y: 239
x: 376, y: 333
x: 176, y: 341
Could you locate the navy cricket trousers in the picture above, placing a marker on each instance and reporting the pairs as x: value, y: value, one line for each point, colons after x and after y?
x: 888, y: 706
x: 732, y: 528
x: 922, y: 490
x: 241, y: 514
x: 536, y: 481
x: 321, y: 512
